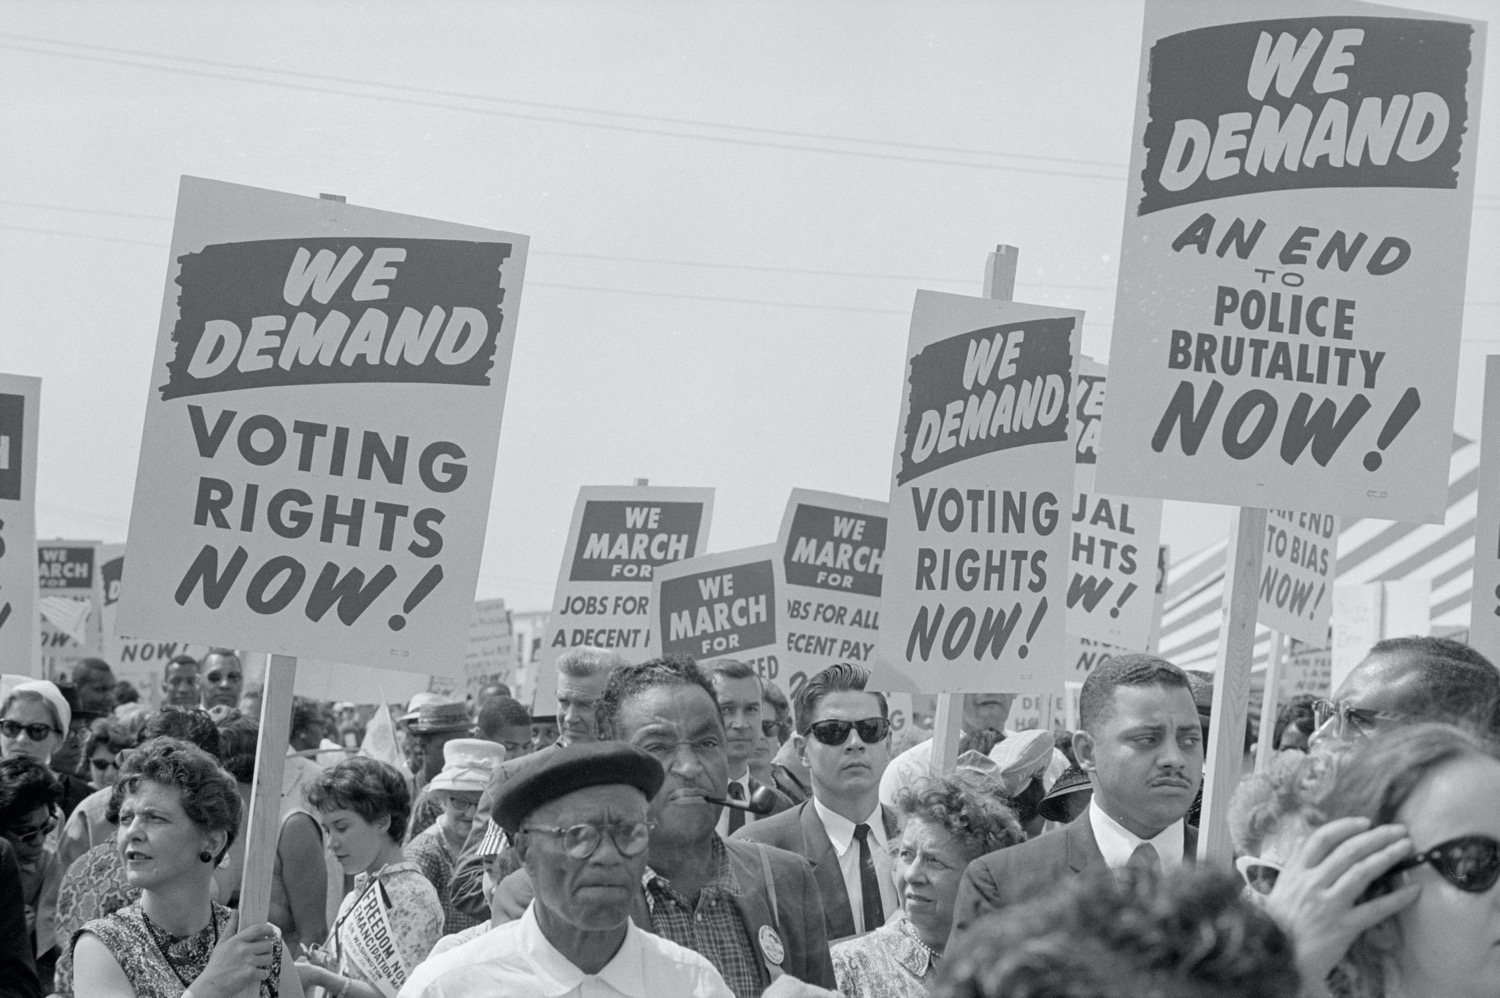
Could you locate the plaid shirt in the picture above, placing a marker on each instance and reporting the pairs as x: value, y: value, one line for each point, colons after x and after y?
x: 713, y: 928
x: 430, y: 852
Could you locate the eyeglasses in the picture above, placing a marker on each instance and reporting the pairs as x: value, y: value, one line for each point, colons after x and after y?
x: 1470, y: 863
x: 579, y: 841
x: 1259, y: 873
x: 103, y: 764
x: 1347, y: 713
x: 36, y: 732
x: 871, y: 730
x: 32, y: 836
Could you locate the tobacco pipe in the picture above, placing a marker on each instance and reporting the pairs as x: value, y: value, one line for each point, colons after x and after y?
x: 761, y: 802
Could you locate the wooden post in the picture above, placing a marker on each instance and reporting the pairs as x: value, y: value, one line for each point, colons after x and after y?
x: 1265, y: 746
x: 947, y: 727
x: 1226, y: 748
x: 264, y: 823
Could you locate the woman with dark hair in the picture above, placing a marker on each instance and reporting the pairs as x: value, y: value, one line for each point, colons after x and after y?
x: 945, y: 823
x: 101, y: 752
x: 363, y: 806
x: 178, y: 813
x: 1419, y: 910
x: 29, y: 793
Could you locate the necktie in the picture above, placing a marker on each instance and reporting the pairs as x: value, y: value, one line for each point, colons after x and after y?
x: 736, y: 816
x: 1145, y: 858
x: 869, y: 882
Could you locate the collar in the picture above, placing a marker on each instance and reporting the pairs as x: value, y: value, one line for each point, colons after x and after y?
x: 744, y: 782
x: 723, y: 881
x: 841, y: 830
x: 1117, y: 842
x: 557, y: 976
x: 905, y: 947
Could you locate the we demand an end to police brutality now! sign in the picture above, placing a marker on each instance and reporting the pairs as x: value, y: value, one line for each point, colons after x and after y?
x: 321, y: 429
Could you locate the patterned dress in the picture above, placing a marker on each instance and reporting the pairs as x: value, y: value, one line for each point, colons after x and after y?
x: 432, y: 855
x: 887, y: 963
x: 157, y: 964
x: 416, y: 915
x: 93, y: 887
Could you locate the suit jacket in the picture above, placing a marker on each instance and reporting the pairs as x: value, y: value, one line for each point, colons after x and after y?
x: 797, y: 918
x: 466, y: 884
x: 18, y: 976
x: 1019, y: 873
x: 801, y: 831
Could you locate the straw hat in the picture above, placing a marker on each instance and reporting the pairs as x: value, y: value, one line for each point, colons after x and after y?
x: 418, y: 701
x: 467, y: 765
x: 436, y: 718
x: 1054, y: 806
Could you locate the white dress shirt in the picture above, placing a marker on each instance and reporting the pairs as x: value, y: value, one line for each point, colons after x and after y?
x: 722, y: 827
x: 1117, y: 842
x: 517, y: 961
x: 841, y: 833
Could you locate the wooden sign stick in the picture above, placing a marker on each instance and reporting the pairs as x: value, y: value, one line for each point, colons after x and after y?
x: 1226, y: 748
x: 947, y: 727
x: 264, y: 823
x: 1265, y: 746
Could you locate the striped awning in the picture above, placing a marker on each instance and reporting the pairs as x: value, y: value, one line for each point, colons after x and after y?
x: 1368, y: 551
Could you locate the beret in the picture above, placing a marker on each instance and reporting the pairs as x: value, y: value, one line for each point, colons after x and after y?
x: 575, y: 767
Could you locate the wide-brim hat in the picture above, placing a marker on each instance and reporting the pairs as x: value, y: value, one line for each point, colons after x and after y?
x: 568, y: 770
x: 417, y: 702
x: 436, y: 718
x: 1021, y: 757
x: 1053, y: 806
x: 467, y: 765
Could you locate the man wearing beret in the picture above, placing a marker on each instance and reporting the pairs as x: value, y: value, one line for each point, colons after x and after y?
x: 579, y: 824
x: 753, y: 910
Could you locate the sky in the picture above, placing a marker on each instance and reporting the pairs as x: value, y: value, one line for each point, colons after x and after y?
x: 730, y: 206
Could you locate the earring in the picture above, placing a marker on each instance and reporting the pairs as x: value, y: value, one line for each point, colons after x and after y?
x: 206, y: 856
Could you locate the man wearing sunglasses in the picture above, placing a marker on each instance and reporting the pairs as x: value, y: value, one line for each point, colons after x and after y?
x: 1141, y: 744
x: 579, y: 824
x: 740, y: 705
x: 1407, y: 680
x: 844, y: 734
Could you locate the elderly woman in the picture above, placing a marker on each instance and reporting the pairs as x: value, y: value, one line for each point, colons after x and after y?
x: 946, y: 823
x: 1402, y: 871
x: 466, y: 771
x: 363, y: 806
x: 1265, y: 813
x: 29, y: 794
x: 177, y: 813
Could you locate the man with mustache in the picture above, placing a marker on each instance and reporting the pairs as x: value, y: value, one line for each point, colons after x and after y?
x: 1141, y: 744
x: 844, y: 733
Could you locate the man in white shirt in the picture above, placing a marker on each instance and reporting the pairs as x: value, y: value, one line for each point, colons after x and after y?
x: 1141, y: 743
x: 737, y: 686
x: 579, y: 826
x: 843, y: 731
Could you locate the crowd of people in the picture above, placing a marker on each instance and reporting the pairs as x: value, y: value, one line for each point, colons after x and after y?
x: 686, y: 828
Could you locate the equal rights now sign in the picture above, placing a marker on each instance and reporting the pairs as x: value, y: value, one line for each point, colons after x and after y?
x: 321, y: 429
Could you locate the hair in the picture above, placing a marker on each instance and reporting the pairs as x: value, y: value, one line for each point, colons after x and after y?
x: 125, y: 692
x: 1297, y: 713
x: 729, y: 668
x: 496, y: 713
x: 371, y: 789
x: 1124, y: 933
x: 971, y: 807
x: 1267, y: 798
x: 781, y: 707
x: 32, y: 696
x: 210, y: 798
x: 306, y: 712
x: 1458, y: 685
x: 225, y: 652
x: 86, y: 667
x: 177, y: 660
x: 238, y: 736
x: 188, y: 724
x: 502, y: 690
x: 25, y: 785
x: 632, y: 680
x: 841, y: 677
x: 1096, y: 701
x: 107, y: 733
x: 1376, y: 783
x: 587, y: 662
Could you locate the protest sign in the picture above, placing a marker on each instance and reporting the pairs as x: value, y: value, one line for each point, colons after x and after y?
x: 1296, y: 574
x: 1484, y: 613
x: 1298, y: 207
x: 1112, y: 582
x: 619, y: 538
x: 140, y: 661
x: 369, y: 942
x: 828, y: 573
x: 321, y: 428
x: 491, y: 655
x: 720, y: 605
x: 70, y: 604
x: 982, y: 481
x: 1305, y: 671
x: 20, y: 403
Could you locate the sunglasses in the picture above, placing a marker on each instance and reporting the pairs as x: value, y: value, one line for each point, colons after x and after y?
x: 1260, y: 874
x: 871, y: 730
x: 32, y: 836
x: 1361, y: 718
x: 1470, y: 863
x: 36, y: 732
x: 103, y: 764
x: 579, y: 841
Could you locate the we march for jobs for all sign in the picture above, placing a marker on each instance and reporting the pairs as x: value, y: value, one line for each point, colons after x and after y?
x: 321, y: 429
x: 1290, y: 298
